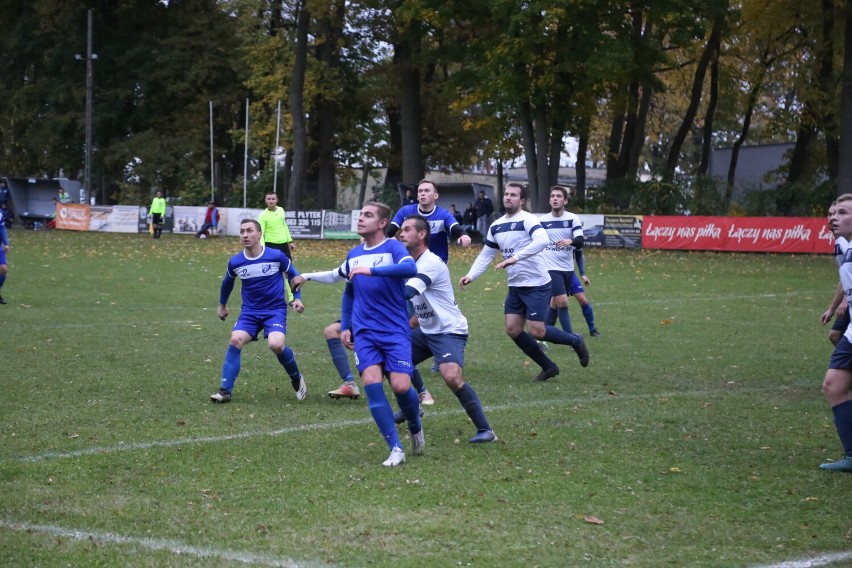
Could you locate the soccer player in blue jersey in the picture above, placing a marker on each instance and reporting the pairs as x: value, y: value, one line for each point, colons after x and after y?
x: 4, y: 248
x: 264, y: 308
x: 519, y: 237
x: 441, y: 329
x: 838, y: 378
x: 565, y: 233
x: 375, y: 324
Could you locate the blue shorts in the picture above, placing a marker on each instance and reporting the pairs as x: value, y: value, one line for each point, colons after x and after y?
x: 392, y: 352
x: 532, y: 302
x: 842, y: 356
x: 253, y: 322
x: 560, y: 282
x: 2, y: 255
x: 576, y: 286
x: 445, y: 347
x: 840, y: 322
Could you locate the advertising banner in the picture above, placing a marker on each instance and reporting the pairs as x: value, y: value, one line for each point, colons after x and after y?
x: 72, y: 217
x: 738, y: 234
x: 304, y: 224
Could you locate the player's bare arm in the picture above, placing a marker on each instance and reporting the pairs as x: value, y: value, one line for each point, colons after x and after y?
x: 222, y: 311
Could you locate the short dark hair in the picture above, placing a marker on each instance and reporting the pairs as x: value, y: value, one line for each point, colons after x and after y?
x: 563, y: 190
x: 421, y: 224
x: 255, y: 223
x: 520, y: 186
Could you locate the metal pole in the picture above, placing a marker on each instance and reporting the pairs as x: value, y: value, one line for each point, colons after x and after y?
x: 275, y: 156
x: 245, y: 157
x: 90, y: 80
x: 212, y: 181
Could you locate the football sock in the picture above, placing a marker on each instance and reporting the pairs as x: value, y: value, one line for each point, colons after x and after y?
x: 339, y: 358
x: 470, y: 402
x: 843, y: 422
x: 417, y: 381
x: 2, y: 280
x: 551, y: 317
x: 564, y: 318
x: 589, y: 314
x: 382, y: 413
x: 230, y: 367
x: 288, y: 361
x: 556, y: 335
x: 409, y: 403
x: 529, y: 346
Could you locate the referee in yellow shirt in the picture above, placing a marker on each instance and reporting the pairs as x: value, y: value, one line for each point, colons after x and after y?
x: 276, y: 233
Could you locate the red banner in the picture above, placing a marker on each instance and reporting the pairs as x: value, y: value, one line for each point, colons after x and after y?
x: 741, y: 234
x: 72, y: 217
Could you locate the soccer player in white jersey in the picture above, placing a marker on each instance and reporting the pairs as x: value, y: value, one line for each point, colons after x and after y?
x: 565, y: 232
x: 374, y: 322
x: 838, y: 303
x: 444, y: 227
x: 440, y: 328
x: 838, y: 378
x: 264, y: 308
x: 520, y: 238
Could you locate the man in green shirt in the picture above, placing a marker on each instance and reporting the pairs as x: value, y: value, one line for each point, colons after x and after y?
x: 158, y: 213
x: 276, y: 233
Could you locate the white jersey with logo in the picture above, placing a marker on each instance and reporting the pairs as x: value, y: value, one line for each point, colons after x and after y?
x: 566, y: 226
x: 435, y: 302
x: 843, y: 256
x: 519, y: 235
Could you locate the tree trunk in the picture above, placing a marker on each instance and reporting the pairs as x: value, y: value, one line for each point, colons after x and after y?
x: 297, y: 111
x: 710, y: 48
x: 844, y: 167
x: 580, y: 165
x: 616, y: 133
x: 735, y: 150
x: 827, y: 105
x: 528, y: 140
x: 639, y: 131
x: 413, y: 168
x: 709, y: 117
x: 800, y: 160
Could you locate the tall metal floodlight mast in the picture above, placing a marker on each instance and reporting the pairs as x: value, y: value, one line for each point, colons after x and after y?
x: 90, y: 84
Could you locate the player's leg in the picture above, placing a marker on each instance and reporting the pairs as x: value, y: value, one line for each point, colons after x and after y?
x: 515, y: 310
x: 277, y: 343
x: 369, y: 361
x: 4, y: 270
x: 534, y: 299
x: 559, y: 300
x: 577, y: 290
x: 835, y: 387
x: 341, y: 362
x: 398, y: 363
x: 841, y: 322
x: 231, y: 364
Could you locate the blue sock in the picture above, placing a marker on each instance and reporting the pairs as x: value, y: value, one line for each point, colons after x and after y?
x: 382, y: 413
x: 564, y: 319
x: 843, y: 423
x: 556, y: 335
x: 589, y: 314
x: 230, y: 368
x: 417, y: 381
x: 288, y: 361
x: 470, y: 402
x: 2, y: 280
x: 529, y: 346
x: 340, y: 360
x: 409, y: 403
x: 551, y: 317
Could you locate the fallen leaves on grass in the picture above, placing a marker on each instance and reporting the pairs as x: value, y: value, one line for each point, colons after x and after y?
x: 591, y: 519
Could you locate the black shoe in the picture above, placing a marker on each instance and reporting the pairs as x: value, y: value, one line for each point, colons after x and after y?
x: 582, y: 352
x: 2, y: 301
x: 594, y: 333
x: 546, y: 374
x: 399, y: 417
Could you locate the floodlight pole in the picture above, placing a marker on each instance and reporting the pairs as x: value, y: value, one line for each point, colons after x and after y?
x: 90, y: 81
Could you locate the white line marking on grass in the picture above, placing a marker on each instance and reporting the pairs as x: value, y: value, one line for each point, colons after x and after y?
x: 173, y: 546
x: 347, y: 423
x: 821, y: 560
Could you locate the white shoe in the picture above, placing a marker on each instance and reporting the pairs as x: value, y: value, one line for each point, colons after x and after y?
x: 396, y: 457
x: 543, y: 345
x: 301, y: 388
x: 426, y: 398
x: 418, y: 441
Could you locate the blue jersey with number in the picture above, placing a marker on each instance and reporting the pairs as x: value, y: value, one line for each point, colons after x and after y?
x: 440, y: 222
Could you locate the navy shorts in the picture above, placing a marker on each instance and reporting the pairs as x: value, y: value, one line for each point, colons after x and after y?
x: 576, y: 286
x: 445, y: 347
x: 532, y: 302
x: 842, y: 356
x: 840, y: 322
x: 560, y: 282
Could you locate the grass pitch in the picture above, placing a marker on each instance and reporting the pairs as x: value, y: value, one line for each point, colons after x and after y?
x: 692, y: 439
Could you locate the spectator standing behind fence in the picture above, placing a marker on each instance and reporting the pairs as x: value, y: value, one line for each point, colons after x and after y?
x: 409, y: 198
x: 211, y: 221
x: 158, y: 214
x: 484, y: 208
x: 63, y: 196
x: 468, y: 221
